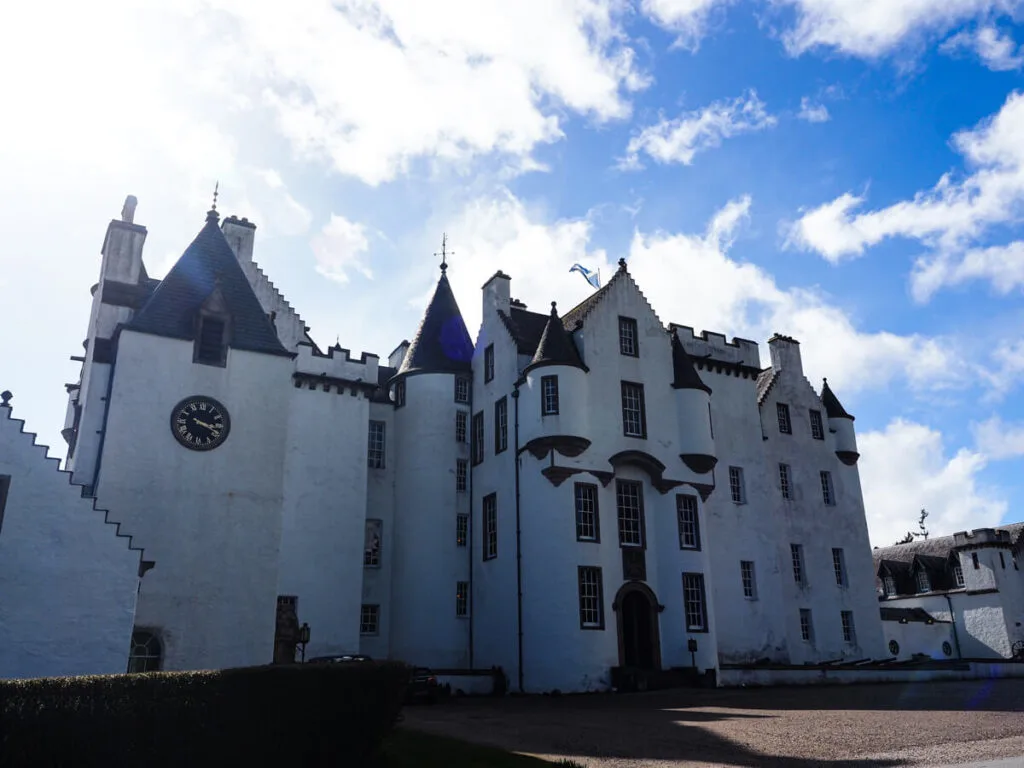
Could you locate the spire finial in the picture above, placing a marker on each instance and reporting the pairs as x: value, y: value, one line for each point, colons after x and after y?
x: 216, y: 189
x: 444, y: 252
x: 554, y: 310
x: 622, y: 264
x: 6, y: 396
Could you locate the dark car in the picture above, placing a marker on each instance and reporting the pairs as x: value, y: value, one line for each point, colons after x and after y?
x: 341, y: 658
x: 423, y: 686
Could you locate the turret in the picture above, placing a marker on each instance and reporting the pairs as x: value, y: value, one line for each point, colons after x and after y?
x: 553, y: 408
x: 693, y: 409
x: 840, y: 423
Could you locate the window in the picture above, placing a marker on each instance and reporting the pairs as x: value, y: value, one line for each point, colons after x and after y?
x: 478, y: 437
x: 817, y: 427
x: 894, y: 648
x: 889, y: 585
x: 1002, y: 561
x: 693, y: 602
x: 634, y: 417
x: 461, y: 389
x: 400, y: 393
x: 5, y: 484
x: 958, y: 575
x: 827, y: 494
x: 748, y: 579
x: 796, y: 552
x: 461, y: 474
x: 629, y: 497
x: 146, y: 654
x: 211, y: 341
x: 587, y: 524
x: 500, y: 425
x: 839, y: 566
x: 375, y: 450
x: 372, y: 544
x: 591, y: 598
x: 739, y: 493
x: 806, y: 626
x: 460, y: 426
x: 628, y: 343
x: 689, y: 522
x: 782, y: 411
x: 369, y: 619
x: 461, y: 530
x: 548, y: 395
x: 488, y: 363
x: 974, y: 560
x: 462, y: 598
x: 923, y: 584
x: 490, y: 526
x: 784, y: 481
x: 849, y: 633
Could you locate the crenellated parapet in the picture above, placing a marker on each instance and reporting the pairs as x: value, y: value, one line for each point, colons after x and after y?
x: 713, y: 347
x: 337, y: 364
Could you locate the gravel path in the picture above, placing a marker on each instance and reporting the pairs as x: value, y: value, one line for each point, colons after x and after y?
x: 838, y: 727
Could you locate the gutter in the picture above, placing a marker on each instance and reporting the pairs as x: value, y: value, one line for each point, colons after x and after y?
x: 519, y: 553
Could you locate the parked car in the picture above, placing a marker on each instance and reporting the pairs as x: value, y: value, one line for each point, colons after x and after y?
x: 342, y: 658
x: 423, y: 686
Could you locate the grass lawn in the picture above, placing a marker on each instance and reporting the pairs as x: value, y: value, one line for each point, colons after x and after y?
x: 404, y: 748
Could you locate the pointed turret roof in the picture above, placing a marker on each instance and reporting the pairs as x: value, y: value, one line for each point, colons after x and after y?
x: 442, y: 343
x: 206, y: 266
x: 684, y: 375
x: 556, y: 346
x: 833, y: 408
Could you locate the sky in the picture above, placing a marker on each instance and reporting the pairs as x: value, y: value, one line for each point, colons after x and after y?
x: 847, y: 172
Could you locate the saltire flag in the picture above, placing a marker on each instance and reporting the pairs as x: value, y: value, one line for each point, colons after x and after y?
x: 590, y: 276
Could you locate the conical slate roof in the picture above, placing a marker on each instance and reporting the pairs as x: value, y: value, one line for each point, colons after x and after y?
x: 556, y: 346
x: 684, y: 375
x: 442, y: 343
x: 208, y: 264
x: 833, y: 407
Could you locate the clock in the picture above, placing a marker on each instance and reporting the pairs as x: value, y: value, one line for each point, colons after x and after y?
x: 200, y: 423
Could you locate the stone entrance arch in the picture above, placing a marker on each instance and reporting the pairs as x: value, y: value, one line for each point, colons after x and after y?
x: 636, y: 620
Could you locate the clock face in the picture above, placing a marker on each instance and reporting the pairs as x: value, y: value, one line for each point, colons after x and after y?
x: 200, y: 423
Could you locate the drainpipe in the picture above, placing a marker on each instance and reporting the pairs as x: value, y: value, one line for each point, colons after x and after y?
x: 519, y: 554
x: 952, y: 618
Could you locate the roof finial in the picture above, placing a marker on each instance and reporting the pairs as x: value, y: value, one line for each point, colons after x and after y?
x: 6, y: 396
x: 554, y: 310
x: 622, y: 264
x: 444, y: 253
x: 216, y: 189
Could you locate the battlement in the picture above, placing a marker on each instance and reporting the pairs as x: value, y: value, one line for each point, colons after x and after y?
x: 337, y: 363
x: 982, y: 537
x: 715, y: 346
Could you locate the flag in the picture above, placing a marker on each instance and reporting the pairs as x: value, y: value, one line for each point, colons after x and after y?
x: 591, y: 277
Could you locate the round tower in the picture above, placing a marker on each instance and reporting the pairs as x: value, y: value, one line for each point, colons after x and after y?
x: 693, y: 409
x: 840, y: 423
x: 553, y: 408
x: 432, y: 429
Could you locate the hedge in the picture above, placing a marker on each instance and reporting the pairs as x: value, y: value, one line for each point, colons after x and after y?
x: 288, y: 715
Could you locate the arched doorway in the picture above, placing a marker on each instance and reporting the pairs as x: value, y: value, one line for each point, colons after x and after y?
x: 637, y: 619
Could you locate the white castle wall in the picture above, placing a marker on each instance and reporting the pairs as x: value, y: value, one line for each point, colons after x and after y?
x: 380, y: 505
x: 980, y: 622
x: 427, y: 562
x: 213, y: 517
x: 324, y: 513
x: 68, y: 581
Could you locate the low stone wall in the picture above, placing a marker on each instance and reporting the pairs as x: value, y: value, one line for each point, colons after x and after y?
x: 736, y: 677
x: 467, y: 682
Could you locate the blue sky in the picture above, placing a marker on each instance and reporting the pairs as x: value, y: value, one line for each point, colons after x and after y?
x: 849, y: 172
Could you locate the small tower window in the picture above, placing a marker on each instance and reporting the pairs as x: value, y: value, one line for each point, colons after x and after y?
x: 211, y: 341
x: 817, y: 426
x: 974, y: 560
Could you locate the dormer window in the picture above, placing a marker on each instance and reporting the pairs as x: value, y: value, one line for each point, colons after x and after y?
x: 923, y: 585
x: 889, y: 586
x: 213, y: 328
x: 958, y: 575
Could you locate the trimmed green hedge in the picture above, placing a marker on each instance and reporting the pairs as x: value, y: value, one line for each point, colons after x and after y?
x: 289, y: 715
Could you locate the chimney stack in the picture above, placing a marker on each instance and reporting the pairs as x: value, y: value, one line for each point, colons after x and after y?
x: 785, y: 354
x: 497, y: 293
x: 240, y: 234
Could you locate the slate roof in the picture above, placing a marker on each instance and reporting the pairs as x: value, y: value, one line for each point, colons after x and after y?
x: 384, y: 375
x: 765, y: 381
x: 584, y: 308
x: 556, y: 346
x: 937, y: 546
x: 171, y: 309
x: 442, y: 343
x: 833, y: 407
x: 684, y: 375
x: 526, y: 328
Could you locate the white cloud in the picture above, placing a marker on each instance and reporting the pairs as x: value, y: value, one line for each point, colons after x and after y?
x: 811, y: 112
x: 339, y: 247
x: 680, y: 139
x: 875, y: 28
x: 998, y: 439
x: 949, y: 218
x: 688, y: 18
x: 1005, y: 369
x: 904, y: 468
x: 997, y: 50
x: 374, y: 86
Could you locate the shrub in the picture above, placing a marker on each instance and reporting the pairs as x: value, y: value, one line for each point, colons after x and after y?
x: 312, y: 714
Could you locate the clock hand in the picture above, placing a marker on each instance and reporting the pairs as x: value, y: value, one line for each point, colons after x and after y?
x: 203, y: 423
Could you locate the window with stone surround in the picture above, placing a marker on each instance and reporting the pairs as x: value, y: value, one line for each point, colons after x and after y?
x: 923, y: 583
x: 689, y: 522
x: 694, y: 603
x: 806, y: 625
x: 782, y: 412
x: 461, y: 389
x: 784, y: 486
x: 849, y: 632
x: 369, y: 619
x: 839, y: 566
x: 548, y: 395
x: 478, y: 437
x: 488, y: 363
x: 461, y: 475
x: 958, y: 575
x: 490, y: 515
x: 796, y: 554
x: 587, y: 521
x: 737, y: 489
x: 591, y: 592
x: 817, y: 426
x: 629, y: 497
x: 399, y: 393
x: 462, y: 598
x: 461, y: 530
x: 375, y: 448
x: 628, y: 342
x: 634, y: 415
x: 889, y: 585
x: 749, y: 579
x: 828, y: 494
x: 500, y: 425
x: 460, y: 426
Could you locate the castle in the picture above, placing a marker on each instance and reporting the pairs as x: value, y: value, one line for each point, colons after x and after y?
x: 571, y: 494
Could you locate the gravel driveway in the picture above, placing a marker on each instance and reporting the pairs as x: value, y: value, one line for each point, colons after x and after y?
x: 837, y: 726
